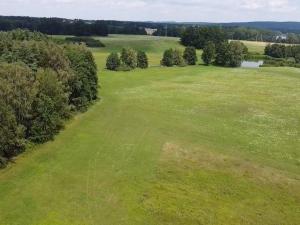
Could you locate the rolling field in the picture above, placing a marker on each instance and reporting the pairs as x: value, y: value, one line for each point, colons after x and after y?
x: 167, y: 146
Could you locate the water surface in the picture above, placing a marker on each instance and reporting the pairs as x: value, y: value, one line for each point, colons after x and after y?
x: 252, y: 64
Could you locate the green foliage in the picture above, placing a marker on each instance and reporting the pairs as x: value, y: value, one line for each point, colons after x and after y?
x: 168, y: 58
x: 284, y: 53
x: 16, y: 96
x: 236, y: 53
x: 297, y: 57
x: 90, y: 42
x: 197, y: 37
x: 209, y: 52
x: 190, y: 56
x: 129, y: 57
x: 178, y: 58
x: 227, y: 154
x: 142, y: 60
x: 12, y: 134
x: 275, y: 50
x: 85, y: 82
x: 173, y: 57
x: 50, y: 107
x: 40, y: 81
x: 222, y: 54
x: 129, y: 60
x: 280, y: 62
x: 24, y: 35
x: 113, y: 61
x: 35, y: 54
x: 230, y: 54
x: 17, y: 89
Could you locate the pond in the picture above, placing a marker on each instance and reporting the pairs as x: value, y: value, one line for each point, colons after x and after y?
x: 252, y: 64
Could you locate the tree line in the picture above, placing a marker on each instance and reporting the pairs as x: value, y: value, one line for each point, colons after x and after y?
x: 127, y: 60
x: 283, y: 51
x: 60, y: 26
x: 226, y: 54
x: 217, y: 49
x: 282, y: 55
x: 41, y: 85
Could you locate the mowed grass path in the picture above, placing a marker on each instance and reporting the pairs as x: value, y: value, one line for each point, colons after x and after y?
x: 194, y: 145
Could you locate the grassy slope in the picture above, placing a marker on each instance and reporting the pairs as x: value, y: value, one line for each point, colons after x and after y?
x: 256, y: 47
x: 195, y: 145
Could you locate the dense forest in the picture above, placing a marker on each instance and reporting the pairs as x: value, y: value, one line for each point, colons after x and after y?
x: 42, y: 84
x: 255, y: 31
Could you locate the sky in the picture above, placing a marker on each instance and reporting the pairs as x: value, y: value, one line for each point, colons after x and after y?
x: 157, y: 10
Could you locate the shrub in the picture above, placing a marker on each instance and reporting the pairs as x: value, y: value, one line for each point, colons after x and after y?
x: 197, y: 37
x: 297, y: 57
x: 168, y: 59
x: 40, y: 81
x: 178, y: 58
x: 142, y: 60
x: 129, y: 57
x: 49, y: 108
x: 276, y: 51
x: 113, y: 61
x: 236, y: 53
x: 85, y: 82
x: 12, y: 135
x: 209, y: 52
x: 222, y: 54
x: 230, y: 54
x: 90, y: 42
x: 190, y: 56
x: 17, y: 90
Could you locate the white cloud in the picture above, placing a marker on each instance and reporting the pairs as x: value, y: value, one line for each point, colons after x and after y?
x: 156, y: 10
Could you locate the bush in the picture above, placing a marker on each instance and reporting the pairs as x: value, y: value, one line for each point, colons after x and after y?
x: 12, y: 135
x: 113, y: 61
x: 40, y: 81
x: 85, y: 81
x: 275, y: 50
x: 173, y: 58
x: 209, y: 52
x: 236, y: 53
x: 230, y: 54
x: 190, y: 56
x: 297, y: 57
x: 178, y: 58
x: 198, y: 37
x: 222, y: 52
x: 49, y: 108
x: 90, y: 42
x: 168, y: 58
x: 142, y: 60
x: 17, y: 89
x: 129, y: 57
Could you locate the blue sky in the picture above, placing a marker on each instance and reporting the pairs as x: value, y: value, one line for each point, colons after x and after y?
x: 158, y: 10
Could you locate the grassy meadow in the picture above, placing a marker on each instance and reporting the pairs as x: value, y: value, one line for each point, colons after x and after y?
x: 168, y: 146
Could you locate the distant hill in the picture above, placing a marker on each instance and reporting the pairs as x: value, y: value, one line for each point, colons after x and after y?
x: 105, y: 27
x: 285, y: 27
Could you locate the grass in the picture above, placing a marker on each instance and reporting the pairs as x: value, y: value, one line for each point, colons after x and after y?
x: 256, y: 46
x: 194, y: 145
x: 154, y: 46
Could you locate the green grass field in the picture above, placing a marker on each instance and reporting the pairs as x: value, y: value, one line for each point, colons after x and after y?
x: 168, y: 146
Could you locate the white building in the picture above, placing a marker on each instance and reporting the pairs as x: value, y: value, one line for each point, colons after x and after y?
x: 281, y: 37
x: 150, y: 31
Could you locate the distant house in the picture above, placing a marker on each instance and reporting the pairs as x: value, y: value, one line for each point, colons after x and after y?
x: 281, y: 37
x: 150, y: 31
